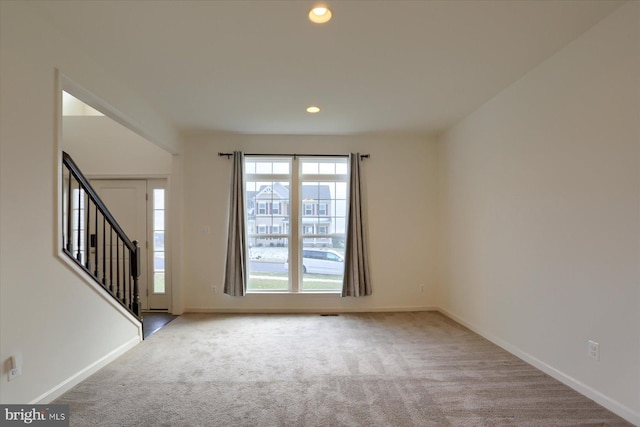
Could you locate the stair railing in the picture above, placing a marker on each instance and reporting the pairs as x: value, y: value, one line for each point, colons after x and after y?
x: 95, y: 241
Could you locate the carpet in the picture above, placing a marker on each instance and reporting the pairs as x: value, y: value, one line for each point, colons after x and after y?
x: 365, y: 369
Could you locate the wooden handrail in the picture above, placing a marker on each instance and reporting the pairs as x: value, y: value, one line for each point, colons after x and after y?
x: 77, y: 174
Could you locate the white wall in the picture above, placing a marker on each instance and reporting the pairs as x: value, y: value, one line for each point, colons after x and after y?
x: 58, y: 323
x: 540, y: 216
x: 400, y: 189
x: 102, y: 147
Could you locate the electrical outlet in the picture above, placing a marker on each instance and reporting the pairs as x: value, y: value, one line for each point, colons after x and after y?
x: 593, y: 350
x: 421, y: 289
x: 14, y: 373
x: 214, y: 289
x: 15, y: 367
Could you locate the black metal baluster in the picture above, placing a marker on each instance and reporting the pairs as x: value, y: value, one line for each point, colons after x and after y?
x: 135, y: 273
x: 95, y: 244
x: 118, y: 268
x: 131, y: 274
x: 127, y: 297
x: 111, y: 257
x: 69, y: 216
x: 125, y: 266
x: 87, y: 233
x: 104, y: 251
x: 79, y: 254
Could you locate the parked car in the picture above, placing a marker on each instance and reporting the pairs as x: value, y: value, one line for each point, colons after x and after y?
x: 320, y: 261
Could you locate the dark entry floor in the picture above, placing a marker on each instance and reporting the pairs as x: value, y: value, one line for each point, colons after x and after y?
x: 152, y: 322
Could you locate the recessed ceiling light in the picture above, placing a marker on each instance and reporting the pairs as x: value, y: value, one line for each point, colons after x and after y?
x: 320, y: 14
x: 313, y: 109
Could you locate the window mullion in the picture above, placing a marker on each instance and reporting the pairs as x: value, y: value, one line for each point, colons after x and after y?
x: 295, y: 242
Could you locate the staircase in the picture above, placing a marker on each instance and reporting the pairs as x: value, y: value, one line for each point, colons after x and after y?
x: 94, y: 240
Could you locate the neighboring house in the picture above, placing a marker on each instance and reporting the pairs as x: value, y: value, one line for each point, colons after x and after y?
x: 269, y: 209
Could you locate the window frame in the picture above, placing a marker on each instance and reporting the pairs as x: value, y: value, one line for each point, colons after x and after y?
x: 293, y: 230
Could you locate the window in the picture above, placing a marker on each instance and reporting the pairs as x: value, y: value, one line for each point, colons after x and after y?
x: 158, y: 241
x: 300, y: 223
x: 308, y: 208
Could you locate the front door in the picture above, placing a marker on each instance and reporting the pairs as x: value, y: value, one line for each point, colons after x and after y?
x: 126, y: 199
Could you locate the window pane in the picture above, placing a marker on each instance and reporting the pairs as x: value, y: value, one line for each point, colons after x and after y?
x: 267, y: 209
x: 322, y: 264
x: 249, y: 167
x: 323, y: 209
x: 327, y: 168
x: 158, y: 240
x: 341, y: 190
x: 264, y: 168
x: 268, y: 264
x: 158, y: 261
x: 158, y: 198
x: 309, y: 167
x: 281, y: 168
x: 337, y: 166
x: 310, y: 191
x: 158, y: 283
x: 158, y: 220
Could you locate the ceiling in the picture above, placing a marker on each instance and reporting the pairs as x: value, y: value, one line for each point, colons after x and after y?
x: 377, y: 66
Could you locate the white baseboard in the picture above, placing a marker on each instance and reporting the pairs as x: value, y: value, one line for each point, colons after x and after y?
x: 76, y: 379
x: 612, y: 405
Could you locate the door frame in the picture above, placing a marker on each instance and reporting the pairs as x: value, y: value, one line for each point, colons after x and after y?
x: 157, y: 184
x: 149, y: 232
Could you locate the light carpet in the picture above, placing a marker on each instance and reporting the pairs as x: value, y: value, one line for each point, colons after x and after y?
x: 370, y: 369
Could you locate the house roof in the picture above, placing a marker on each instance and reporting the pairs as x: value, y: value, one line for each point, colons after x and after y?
x: 309, y: 192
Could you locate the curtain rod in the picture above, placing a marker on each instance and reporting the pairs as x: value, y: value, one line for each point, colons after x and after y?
x: 362, y: 156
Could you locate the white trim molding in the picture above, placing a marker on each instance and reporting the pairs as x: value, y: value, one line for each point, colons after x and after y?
x: 85, y: 373
x: 598, y: 397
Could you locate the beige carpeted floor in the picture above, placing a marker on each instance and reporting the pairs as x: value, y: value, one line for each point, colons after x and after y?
x: 381, y: 369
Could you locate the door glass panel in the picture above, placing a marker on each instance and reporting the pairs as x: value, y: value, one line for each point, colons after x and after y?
x: 158, y: 241
x: 158, y: 200
x: 158, y: 283
x: 158, y: 219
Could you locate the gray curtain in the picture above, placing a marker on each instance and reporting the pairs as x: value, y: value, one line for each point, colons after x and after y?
x: 357, y: 281
x: 235, y: 280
